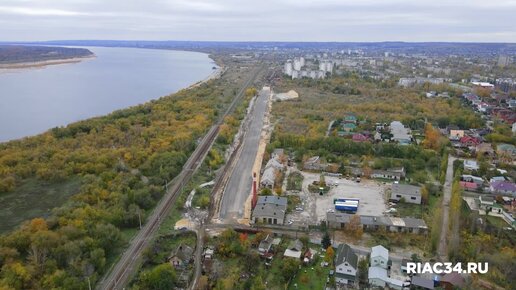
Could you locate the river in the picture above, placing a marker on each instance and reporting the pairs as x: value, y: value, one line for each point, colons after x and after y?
x: 37, y: 99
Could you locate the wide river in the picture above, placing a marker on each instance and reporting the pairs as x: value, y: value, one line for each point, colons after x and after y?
x: 35, y: 100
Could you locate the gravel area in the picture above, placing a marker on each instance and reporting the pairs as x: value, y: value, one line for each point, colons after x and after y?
x: 371, y: 195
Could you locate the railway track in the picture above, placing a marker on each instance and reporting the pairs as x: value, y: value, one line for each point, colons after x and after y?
x: 120, y: 273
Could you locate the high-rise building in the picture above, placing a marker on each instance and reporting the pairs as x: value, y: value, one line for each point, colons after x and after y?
x: 504, y: 60
x: 288, y: 68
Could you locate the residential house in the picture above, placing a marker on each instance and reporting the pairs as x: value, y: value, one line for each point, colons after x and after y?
x: 497, y: 178
x: 507, y: 150
x: 379, y: 257
x: 270, y: 210
x: 409, y: 193
x: 349, y: 127
x: 503, y: 187
x: 269, y: 174
x: 359, y: 138
x: 422, y: 283
x: 346, y: 265
x: 350, y: 118
x: 469, y: 141
x: 399, y: 133
x: 265, y: 246
x: 468, y: 185
x: 471, y: 165
x: 377, y: 274
x: 404, y: 263
x: 452, y: 281
x: 471, y: 178
x: 208, y: 253
x: 391, y: 173
x: 294, y: 249
x: 456, y: 134
x: 309, y: 256
x: 486, y: 202
x: 181, y: 256
x: 378, y: 277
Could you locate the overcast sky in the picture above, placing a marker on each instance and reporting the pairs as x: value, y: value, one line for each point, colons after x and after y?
x: 260, y: 20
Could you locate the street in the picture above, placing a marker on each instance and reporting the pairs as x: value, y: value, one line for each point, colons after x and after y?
x: 240, y: 182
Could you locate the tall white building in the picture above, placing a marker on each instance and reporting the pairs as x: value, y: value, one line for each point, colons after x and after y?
x: 288, y: 68
x: 297, y: 64
x: 326, y: 66
x: 504, y: 60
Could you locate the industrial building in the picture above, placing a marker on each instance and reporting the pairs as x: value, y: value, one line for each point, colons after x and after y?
x: 374, y: 223
x: 270, y: 210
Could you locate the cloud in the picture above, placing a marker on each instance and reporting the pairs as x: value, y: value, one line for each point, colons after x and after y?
x: 39, y: 11
x: 262, y: 20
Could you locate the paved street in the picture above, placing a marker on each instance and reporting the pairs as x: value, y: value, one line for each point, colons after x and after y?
x: 240, y: 182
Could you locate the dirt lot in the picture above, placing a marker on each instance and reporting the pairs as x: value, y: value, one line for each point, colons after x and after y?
x: 370, y: 193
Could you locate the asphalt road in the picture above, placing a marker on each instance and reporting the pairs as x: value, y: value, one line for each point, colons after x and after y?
x: 239, y: 184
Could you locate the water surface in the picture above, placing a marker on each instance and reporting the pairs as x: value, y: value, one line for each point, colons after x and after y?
x: 35, y: 100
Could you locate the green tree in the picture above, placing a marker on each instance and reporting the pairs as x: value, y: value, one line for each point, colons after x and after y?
x: 362, y: 271
x: 289, y: 268
x: 326, y: 240
x: 161, y: 277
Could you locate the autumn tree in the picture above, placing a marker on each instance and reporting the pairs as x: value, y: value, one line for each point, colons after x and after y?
x: 354, y: 227
x: 330, y: 254
x: 433, y: 139
x: 424, y: 194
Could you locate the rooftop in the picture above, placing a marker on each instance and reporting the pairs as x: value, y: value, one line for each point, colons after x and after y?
x: 406, y: 189
x: 346, y: 254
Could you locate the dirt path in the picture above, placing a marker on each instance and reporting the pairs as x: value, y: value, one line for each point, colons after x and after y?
x: 442, y: 251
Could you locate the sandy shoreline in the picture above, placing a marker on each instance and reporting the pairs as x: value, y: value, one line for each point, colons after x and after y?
x: 38, y: 64
x: 214, y: 75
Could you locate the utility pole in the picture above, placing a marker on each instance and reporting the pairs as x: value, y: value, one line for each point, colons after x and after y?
x: 140, y: 219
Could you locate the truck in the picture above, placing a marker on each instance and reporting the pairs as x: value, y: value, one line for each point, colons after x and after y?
x: 344, y: 199
x: 347, y: 205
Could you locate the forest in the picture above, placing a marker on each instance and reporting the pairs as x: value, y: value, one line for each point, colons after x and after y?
x: 10, y: 54
x: 122, y: 160
x: 372, y: 101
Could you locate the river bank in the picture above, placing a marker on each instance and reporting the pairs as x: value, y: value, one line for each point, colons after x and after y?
x: 39, y: 64
x: 118, y: 78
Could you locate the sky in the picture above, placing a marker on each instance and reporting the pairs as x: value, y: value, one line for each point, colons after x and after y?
x: 259, y: 20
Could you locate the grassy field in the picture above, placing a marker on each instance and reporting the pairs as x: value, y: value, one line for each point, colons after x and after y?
x: 295, y: 181
x: 311, y: 276
x: 34, y: 198
x: 415, y: 210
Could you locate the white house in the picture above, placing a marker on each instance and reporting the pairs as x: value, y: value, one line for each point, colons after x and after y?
x: 346, y: 265
x: 409, y: 193
x: 470, y: 165
x: 377, y: 273
x: 294, y: 249
x: 379, y: 257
